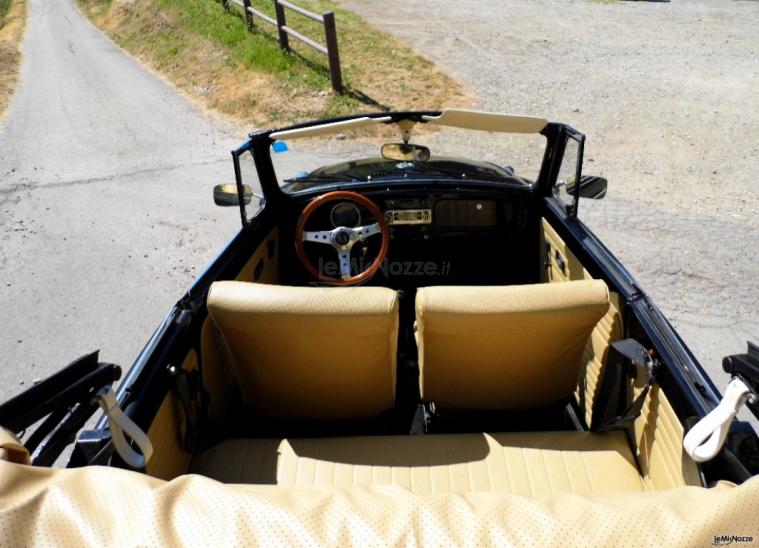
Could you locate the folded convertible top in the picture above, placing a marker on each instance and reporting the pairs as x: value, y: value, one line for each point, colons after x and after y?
x: 107, y: 506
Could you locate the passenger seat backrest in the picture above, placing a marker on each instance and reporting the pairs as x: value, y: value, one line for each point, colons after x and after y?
x: 310, y: 352
x: 505, y: 347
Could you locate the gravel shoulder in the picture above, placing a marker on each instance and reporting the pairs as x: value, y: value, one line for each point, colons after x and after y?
x: 666, y: 93
x: 12, y: 25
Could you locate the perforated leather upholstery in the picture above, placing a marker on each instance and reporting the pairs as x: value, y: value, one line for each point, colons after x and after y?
x: 531, y: 464
x: 111, y: 507
x: 310, y: 352
x: 505, y: 347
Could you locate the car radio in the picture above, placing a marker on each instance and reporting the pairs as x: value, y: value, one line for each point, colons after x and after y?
x: 408, y: 216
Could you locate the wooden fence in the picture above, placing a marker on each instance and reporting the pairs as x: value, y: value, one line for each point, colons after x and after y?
x: 284, y: 32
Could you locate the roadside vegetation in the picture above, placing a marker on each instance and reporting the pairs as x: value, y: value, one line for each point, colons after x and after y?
x: 209, y: 54
x: 12, y: 24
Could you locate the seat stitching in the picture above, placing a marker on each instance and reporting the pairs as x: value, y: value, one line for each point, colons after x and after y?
x: 668, y: 447
x: 566, y: 470
x: 527, y: 469
x: 506, y: 465
x: 487, y: 468
x: 587, y: 472
x: 297, y: 469
x: 667, y: 466
x: 315, y: 467
x: 548, y: 471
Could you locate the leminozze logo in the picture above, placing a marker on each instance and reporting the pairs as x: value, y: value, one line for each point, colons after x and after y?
x: 725, y: 540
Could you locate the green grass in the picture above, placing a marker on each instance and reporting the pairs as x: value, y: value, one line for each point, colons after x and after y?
x: 201, y: 46
x: 256, y: 50
x: 5, y: 5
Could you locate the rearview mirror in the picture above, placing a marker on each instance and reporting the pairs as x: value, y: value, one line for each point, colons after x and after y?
x: 226, y: 194
x: 591, y: 186
x: 405, y: 152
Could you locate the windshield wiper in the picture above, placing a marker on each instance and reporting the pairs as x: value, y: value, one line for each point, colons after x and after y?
x: 322, y: 177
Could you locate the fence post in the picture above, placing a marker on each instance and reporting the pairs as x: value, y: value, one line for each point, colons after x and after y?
x: 332, y: 52
x: 248, y: 15
x: 284, y: 41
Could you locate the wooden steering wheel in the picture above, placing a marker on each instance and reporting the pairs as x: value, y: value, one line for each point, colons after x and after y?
x: 342, y: 238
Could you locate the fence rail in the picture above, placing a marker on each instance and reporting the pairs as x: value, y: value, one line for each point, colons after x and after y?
x: 284, y: 32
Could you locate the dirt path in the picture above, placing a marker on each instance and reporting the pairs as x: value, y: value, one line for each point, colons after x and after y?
x: 666, y: 93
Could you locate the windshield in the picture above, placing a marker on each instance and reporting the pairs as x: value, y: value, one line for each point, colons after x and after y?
x: 511, y: 159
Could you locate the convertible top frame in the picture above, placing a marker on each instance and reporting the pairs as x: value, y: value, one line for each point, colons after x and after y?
x: 466, y: 119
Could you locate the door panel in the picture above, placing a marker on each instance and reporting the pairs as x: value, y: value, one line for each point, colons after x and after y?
x: 658, y: 431
x: 659, y: 441
x: 558, y: 263
x: 263, y: 265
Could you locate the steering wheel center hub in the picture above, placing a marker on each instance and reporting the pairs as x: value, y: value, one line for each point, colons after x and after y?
x: 342, y: 237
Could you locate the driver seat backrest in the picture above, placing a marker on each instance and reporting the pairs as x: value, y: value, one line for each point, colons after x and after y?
x: 505, y: 347
x: 326, y: 353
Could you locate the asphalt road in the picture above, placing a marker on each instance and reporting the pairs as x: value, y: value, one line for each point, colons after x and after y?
x: 106, y: 212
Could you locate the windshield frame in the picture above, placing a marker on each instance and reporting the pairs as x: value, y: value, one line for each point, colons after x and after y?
x: 260, y: 146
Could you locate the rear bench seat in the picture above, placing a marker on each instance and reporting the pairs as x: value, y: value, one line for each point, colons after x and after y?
x: 532, y: 464
x: 480, y: 348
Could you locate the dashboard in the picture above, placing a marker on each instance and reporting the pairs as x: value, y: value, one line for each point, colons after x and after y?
x: 430, y: 214
x: 468, y: 239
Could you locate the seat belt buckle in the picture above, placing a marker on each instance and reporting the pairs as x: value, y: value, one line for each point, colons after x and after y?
x: 626, y: 360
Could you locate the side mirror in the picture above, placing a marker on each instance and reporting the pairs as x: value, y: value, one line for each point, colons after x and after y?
x: 405, y: 152
x: 591, y: 186
x: 226, y: 195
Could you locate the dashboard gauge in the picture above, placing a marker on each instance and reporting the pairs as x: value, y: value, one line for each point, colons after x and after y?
x: 345, y: 214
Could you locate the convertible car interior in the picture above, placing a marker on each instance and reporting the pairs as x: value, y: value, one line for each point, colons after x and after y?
x: 424, y: 336
x: 438, y: 388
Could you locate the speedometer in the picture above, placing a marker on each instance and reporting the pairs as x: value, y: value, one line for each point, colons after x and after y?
x: 345, y: 214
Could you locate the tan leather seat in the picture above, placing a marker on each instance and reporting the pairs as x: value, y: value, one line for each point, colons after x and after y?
x: 505, y: 347
x: 532, y: 464
x: 309, y: 352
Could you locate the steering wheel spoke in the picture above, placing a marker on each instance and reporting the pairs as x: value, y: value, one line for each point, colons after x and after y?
x: 318, y: 236
x: 345, y: 263
x: 363, y: 232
